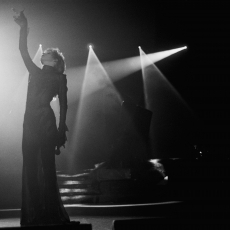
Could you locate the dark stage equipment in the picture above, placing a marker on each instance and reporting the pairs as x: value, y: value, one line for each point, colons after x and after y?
x: 139, y: 118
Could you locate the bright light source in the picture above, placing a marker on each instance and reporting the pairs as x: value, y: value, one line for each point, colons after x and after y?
x: 139, y: 47
x: 90, y: 46
x: 184, y: 47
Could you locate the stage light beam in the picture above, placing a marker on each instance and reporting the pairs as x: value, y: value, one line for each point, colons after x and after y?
x: 121, y: 68
x: 116, y: 70
x: 98, y: 98
x: 172, y: 117
x: 151, y: 74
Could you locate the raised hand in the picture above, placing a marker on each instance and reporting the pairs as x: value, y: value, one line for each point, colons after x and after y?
x: 20, y: 18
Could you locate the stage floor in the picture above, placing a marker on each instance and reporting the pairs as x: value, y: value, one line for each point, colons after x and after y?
x: 100, y: 216
x: 98, y: 223
x: 189, y: 214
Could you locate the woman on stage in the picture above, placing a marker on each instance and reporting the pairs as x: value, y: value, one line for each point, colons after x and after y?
x: 41, y: 202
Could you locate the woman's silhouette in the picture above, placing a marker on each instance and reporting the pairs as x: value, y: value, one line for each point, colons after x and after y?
x: 41, y: 202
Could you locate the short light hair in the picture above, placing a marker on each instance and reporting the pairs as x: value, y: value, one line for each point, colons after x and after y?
x: 57, y: 55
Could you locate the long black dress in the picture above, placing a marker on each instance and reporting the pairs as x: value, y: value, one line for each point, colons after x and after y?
x: 41, y: 202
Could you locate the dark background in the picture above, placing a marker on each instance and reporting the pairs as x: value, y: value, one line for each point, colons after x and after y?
x: 117, y: 28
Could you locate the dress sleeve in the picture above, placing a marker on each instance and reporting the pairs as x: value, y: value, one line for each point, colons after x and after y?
x: 62, y: 95
x: 31, y: 67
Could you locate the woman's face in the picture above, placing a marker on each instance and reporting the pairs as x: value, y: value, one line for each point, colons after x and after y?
x: 47, y: 57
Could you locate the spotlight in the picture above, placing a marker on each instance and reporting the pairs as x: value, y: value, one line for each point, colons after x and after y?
x: 90, y: 46
x: 139, y: 47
